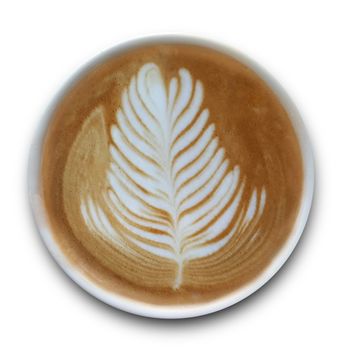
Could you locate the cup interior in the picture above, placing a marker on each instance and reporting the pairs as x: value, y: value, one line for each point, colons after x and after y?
x: 150, y: 310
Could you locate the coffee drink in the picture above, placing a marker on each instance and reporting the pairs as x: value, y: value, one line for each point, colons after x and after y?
x: 171, y: 174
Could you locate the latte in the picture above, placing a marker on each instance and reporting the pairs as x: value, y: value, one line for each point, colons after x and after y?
x: 171, y: 174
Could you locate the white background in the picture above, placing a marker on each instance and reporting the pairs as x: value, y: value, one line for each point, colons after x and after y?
x: 305, y: 45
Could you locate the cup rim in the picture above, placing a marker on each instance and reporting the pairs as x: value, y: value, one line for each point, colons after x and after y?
x: 171, y: 311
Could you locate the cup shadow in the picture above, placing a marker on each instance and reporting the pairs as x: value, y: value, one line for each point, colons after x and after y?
x: 232, y: 312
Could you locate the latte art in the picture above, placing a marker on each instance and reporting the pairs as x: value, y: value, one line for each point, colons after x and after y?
x: 170, y: 190
x: 170, y: 174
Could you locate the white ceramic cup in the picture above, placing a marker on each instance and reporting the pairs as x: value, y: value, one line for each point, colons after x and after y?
x: 173, y: 311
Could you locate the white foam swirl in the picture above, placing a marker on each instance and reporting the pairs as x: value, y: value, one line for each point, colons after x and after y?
x: 171, y: 189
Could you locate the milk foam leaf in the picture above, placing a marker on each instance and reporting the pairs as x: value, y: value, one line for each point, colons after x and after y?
x: 170, y: 187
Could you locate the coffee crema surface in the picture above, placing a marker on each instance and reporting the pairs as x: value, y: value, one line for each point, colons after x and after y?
x: 171, y: 174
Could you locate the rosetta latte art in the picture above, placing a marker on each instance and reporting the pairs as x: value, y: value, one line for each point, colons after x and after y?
x: 169, y: 185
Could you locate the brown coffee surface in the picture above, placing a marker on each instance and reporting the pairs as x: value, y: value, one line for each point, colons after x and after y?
x: 139, y: 241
